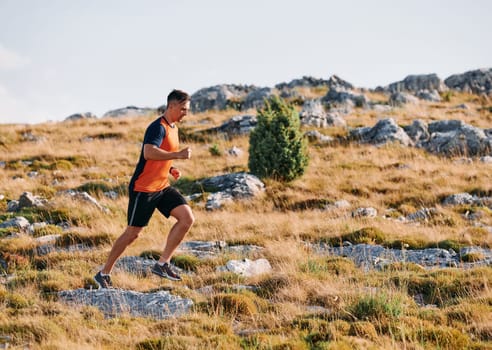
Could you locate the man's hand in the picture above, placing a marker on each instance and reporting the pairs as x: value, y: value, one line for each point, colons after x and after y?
x: 185, y: 153
x: 175, y: 173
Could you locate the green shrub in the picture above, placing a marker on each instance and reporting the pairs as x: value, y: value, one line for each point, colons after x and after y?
x: 277, y: 148
x: 215, y: 150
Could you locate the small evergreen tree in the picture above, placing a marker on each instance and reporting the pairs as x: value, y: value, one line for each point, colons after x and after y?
x: 277, y: 148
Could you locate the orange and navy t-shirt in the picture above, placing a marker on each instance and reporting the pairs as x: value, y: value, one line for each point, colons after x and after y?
x: 153, y: 175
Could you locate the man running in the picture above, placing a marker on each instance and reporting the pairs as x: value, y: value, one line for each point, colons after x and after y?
x: 150, y: 189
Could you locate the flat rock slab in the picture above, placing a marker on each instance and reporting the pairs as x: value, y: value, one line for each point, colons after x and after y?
x: 115, y: 302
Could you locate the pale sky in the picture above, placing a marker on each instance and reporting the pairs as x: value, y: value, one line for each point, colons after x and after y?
x: 60, y: 57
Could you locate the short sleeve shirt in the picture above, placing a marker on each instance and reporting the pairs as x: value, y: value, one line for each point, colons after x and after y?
x: 153, y: 175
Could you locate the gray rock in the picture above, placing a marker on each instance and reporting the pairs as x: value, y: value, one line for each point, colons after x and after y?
x: 219, y: 97
x: 399, y: 98
x: 423, y: 214
x: 305, y: 81
x: 415, y: 83
x: 340, y: 96
x: 19, y: 222
x: 235, y: 152
x: 417, y: 131
x: 454, y: 137
x: 432, y: 95
x: 237, y: 125
x: 365, y: 212
x: 376, y: 257
x: 80, y: 116
x: 231, y: 186
x: 256, y: 98
x: 313, y: 113
x: 116, y: 302
x: 315, y: 135
x: 461, y: 199
x: 27, y: 200
x: 385, y: 130
x: 476, y: 81
x: 247, y: 267
x: 130, y: 111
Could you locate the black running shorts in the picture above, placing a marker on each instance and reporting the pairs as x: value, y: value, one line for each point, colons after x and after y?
x: 141, y: 205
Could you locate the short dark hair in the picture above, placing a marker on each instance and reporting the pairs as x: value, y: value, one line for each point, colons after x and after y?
x: 178, y: 95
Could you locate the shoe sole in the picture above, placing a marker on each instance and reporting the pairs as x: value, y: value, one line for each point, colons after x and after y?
x: 164, y: 275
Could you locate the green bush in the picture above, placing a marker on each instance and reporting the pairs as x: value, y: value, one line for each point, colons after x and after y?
x: 277, y: 148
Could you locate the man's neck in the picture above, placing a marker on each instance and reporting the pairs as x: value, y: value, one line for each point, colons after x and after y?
x: 167, y: 120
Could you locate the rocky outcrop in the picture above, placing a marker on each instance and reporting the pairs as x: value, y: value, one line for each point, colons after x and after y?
x: 246, y: 267
x: 305, y: 81
x: 80, y: 116
x: 454, y: 137
x: 385, y: 130
x: 476, y: 81
x: 237, y: 125
x: 445, y: 137
x: 369, y: 256
x: 229, y: 187
x: 313, y: 113
x: 256, y: 98
x: 116, y: 302
x: 130, y: 111
x: 219, y: 97
x: 341, y: 96
x: 416, y: 83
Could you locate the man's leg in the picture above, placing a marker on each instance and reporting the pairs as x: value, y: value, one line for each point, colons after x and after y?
x: 185, y: 219
x: 119, y: 246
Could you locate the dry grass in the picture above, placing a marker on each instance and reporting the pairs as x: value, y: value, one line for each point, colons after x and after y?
x: 397, y: 181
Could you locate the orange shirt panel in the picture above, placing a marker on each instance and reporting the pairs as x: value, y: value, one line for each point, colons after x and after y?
x: 155, y: 175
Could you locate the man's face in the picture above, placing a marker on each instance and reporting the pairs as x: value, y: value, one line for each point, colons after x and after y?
x: 178, y: 110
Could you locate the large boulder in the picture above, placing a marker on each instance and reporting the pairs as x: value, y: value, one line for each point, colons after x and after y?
x: 385, y: 130
x: 416, y: 83
x: 313, y: 113
x: 116, y: 302
x: 80, y: 116
x: 305, y: 81
x: 219, y: 97
x: 228, y: 187
x: 476, y: 81
x: 454, y: 137
x: 337, y: 96
x: 256, y: 98
x: 130, y: 111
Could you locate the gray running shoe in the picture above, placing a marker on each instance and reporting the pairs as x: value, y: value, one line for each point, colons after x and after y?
x: 165, y: 271
x: 103, y: 281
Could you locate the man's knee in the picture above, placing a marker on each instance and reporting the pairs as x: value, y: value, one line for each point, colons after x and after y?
x: 184, y: 215
x: 132, y: 233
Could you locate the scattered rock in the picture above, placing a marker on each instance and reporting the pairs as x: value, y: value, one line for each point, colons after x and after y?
x: 247, y: 267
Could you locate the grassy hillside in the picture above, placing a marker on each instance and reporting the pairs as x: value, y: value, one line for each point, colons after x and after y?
x: 374, y: 310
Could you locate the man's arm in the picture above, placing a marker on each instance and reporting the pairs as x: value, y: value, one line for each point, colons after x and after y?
x: 152, y: 152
